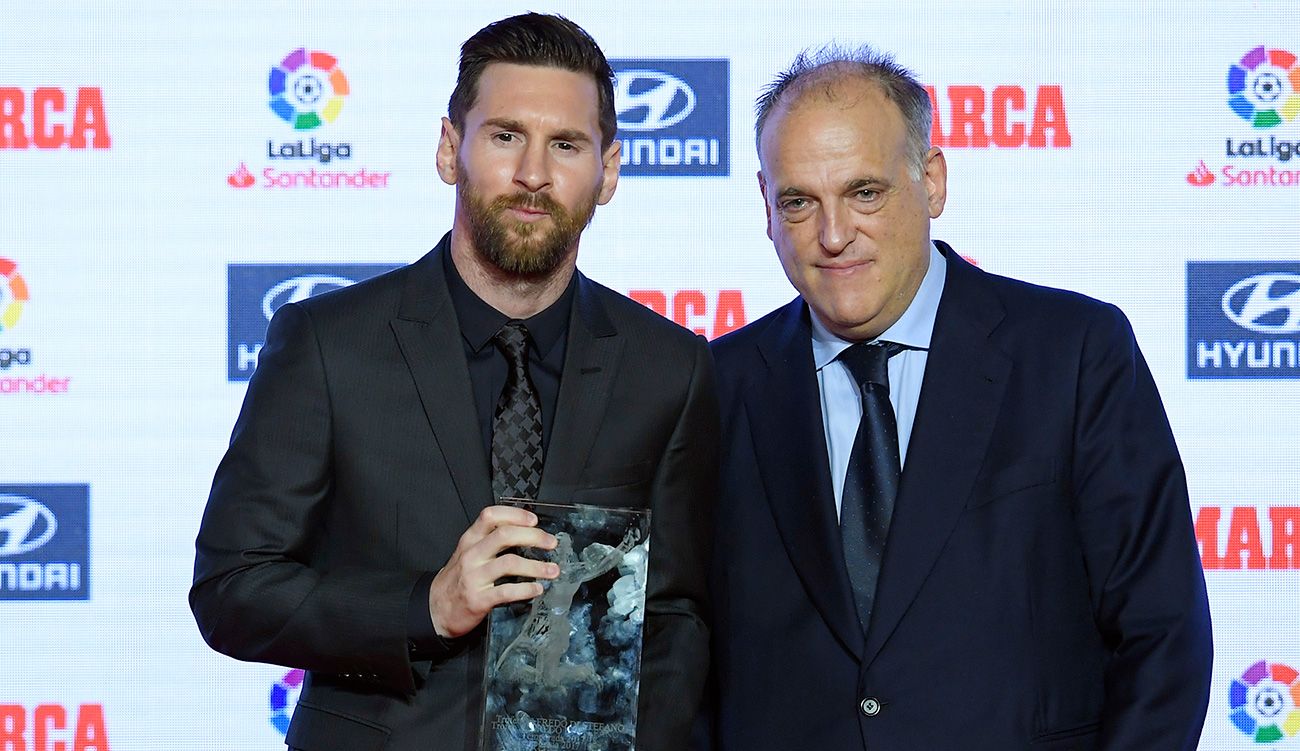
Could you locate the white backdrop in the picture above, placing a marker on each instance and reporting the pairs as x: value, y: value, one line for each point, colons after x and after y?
x: 136, y: 267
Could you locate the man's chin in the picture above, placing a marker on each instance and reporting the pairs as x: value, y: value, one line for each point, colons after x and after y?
x: 529, y: 259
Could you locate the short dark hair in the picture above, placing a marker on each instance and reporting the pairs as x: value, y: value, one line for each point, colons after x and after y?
x: 534, y: 39
x: 832, y: 64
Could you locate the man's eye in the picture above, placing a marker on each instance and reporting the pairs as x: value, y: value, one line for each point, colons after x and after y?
x: 794, y: 204
x: 867, y: 194
x: 565, y: 146
x: 505, y: 137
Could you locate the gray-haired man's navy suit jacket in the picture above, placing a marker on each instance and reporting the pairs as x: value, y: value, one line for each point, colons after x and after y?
x: 1040, y: 588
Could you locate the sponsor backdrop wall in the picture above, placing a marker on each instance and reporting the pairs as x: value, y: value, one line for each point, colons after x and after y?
x: 171, y: 173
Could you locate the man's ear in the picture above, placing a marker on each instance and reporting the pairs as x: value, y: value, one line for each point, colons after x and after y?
x: 936, y: 180
x: 448, y: 149
x: 609, y: 165
x: 767, y: 207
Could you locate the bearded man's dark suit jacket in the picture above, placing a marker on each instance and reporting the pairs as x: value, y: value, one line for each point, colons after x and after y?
x: 1040, y: 586
x: 357, y: 462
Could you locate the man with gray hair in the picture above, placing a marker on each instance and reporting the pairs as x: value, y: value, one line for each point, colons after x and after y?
x: 953, y: 515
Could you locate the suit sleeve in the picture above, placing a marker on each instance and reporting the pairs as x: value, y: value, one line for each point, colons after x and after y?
x: 1147, y: 588
x: 676, y: 655
x: 260, y: 592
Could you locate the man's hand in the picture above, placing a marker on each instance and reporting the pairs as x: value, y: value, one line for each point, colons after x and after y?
x: 465, y: 590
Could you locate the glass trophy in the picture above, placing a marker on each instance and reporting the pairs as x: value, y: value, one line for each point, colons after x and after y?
x: 563, y: 669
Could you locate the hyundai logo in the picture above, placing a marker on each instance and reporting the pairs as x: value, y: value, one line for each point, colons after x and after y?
x: 300, y: 288
x: 1267, y: 303
x: 651, y: 99
x: 25, y: 524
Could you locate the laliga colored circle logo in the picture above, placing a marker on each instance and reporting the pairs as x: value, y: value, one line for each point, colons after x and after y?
x: 13, y: 293
x: 1265, y: 702
x: 284, y: 697
x: 307, y: 88
x: 1264, y: 88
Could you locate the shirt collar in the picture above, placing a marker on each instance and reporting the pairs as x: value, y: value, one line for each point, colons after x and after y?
x: 912, y: 329
x: 479, y: 322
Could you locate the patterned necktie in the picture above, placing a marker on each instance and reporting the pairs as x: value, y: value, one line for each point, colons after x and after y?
x: 517, y: 422
x: 871, y: 484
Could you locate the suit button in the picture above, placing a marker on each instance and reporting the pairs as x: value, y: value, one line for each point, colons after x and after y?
x: 870, y: 706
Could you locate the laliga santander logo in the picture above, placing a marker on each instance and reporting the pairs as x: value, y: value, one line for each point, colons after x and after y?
x: 1264, y: 87
x: 307, y: 88
x: 1264, y: 703
x: 13, y: 293
x: 284, y: 697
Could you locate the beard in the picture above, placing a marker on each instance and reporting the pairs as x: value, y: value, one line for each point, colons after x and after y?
x: 523, y: 249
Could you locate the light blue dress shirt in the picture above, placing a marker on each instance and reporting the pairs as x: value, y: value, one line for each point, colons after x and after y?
x: 841, y: 401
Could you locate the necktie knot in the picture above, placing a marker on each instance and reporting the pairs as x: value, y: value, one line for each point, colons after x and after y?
x: 868, y: 362
x: 512, y: 340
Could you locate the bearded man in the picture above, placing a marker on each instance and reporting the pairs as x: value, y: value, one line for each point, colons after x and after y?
x: 352, y: 529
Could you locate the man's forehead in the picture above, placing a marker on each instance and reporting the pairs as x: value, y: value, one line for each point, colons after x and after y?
x: 831, y: 113
x: 510, y: 90
x: 516, y: 79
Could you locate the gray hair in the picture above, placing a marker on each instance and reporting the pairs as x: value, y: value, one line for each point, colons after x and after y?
x: 834, y: 63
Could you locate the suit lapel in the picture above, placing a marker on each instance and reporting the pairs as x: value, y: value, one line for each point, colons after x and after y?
x: 785, y: 412
x: 960, y: 396
x: 591, y: 360
x: 429, y: 337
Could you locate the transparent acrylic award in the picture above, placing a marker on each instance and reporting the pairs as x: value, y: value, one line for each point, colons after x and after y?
x: 563, y: 669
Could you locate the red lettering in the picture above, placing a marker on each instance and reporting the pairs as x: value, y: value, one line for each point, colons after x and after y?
x: 730, y: 314
x: 88, y: 117
x: 967, y: 117
x: 689, y: 306
x: 686, y: 305
x: 1207, y: 536
x: 47, y: 134
x: 1286, y: 537
x: 90, y: 734
x: 936, y: 124
x: 652, y: 299
x: 1005, y: 134
x: 12, y: 133
x: 1049, y: 114
x: 88, y: 129
x: 46, y: 718
x: 13, y: 723
x: 1243, y: 538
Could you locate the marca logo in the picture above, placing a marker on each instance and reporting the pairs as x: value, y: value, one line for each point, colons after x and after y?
x: 1243, y: 319
x: 1264, y: 702
x: 44, y: 542
x: 41, y: 119
x: 692, y: 309
x: 1234, y: 542
x: 673, y: 116
x: 1005, y: 116
x: 53, y: 727
x: 257, y: 290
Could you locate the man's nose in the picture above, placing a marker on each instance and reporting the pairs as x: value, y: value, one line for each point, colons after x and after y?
x: 836, y: 231
x: 534, y: 170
